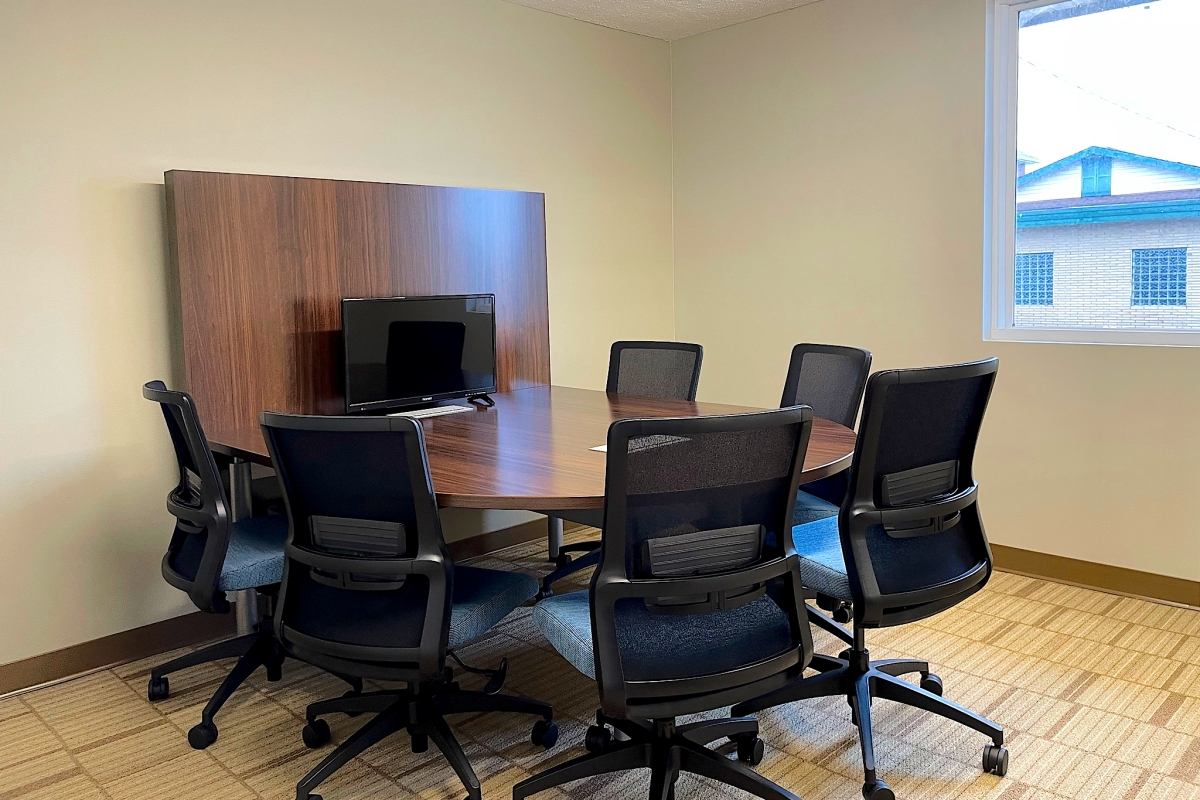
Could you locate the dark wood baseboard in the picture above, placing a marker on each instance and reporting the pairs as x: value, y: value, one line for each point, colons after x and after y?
x: 1096, y: 576
x: 195, y: 628
x: 118, y: 648
x: 497, y: 540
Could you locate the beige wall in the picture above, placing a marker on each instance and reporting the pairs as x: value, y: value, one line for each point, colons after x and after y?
x: 98, y: 99
x: 829, y: 187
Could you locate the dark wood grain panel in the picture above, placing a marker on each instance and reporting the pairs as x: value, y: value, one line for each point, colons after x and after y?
x: 532, y: 451
x: 265, y: 261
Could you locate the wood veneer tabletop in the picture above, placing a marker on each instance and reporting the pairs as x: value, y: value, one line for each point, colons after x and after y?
x: 533, y: 449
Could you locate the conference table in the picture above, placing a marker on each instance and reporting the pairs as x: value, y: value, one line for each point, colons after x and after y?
x: 533, y: 451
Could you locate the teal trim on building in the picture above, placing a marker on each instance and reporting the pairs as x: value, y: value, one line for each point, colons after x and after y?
x: 1116, y: 212
x: 1106, y: 152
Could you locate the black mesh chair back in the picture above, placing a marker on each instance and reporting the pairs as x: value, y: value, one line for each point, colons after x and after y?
x: 202, y: 523
x: 367, y: 577
x: 666, y: 370
x: 912, y: 536
x: 695, y: 509
x: 830, y: 378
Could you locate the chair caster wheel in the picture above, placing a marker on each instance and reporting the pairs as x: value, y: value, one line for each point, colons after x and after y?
x: 545, y: 733
x: 158, y: 689
x: 561, y: 560
x: 932, y: 684
x: 202, y: 735
x: 274, y: 673
x: 315, y: 734
x: 878, y: 791
x: 842, y: 614
x: 750, y: 750
x: 995, y: 759
x: 598, y: 739
x: 420, y: 742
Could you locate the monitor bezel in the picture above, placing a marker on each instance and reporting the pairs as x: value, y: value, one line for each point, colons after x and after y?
x: 416, y: 400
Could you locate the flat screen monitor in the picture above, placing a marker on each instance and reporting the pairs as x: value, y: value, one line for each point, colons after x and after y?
x: 406, y: 351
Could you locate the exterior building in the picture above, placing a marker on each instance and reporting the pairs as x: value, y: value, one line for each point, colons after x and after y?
x: 1108, y: 239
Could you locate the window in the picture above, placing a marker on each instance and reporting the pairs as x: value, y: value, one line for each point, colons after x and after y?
x: 1096, y: 172
x: 1093, y: 171
x: 1160, y: 277
x: 1034, y: 279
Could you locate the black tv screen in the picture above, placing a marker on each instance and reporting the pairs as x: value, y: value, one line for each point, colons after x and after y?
x: 404, y: 351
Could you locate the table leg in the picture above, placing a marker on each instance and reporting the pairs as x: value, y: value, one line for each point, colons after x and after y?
x: 554, y: 535
x: 240, y: 507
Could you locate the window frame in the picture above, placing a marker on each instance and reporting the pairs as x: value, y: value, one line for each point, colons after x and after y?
x: 1000, y: 201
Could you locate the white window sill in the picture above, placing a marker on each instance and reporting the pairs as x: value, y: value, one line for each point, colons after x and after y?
x: 1142, y: 338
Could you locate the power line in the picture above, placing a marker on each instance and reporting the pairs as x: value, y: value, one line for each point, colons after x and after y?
x: 1102, y: 98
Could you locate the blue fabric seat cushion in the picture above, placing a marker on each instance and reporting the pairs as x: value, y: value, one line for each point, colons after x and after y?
x: 900, y: 565
x: 483, y: 597
x: 810, y: 508
x: 566, y: 622
x: 667, y: 646
x: 822, y: 567
x: 255, y: 554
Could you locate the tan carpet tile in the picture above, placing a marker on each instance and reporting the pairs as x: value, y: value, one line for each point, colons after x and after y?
x: 1100, y: 696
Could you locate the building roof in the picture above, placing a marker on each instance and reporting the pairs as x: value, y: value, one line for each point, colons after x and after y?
x: 1092, y: 152
x: 1118, y: 208
x: 1073, y: 8
x: 1077, y: 210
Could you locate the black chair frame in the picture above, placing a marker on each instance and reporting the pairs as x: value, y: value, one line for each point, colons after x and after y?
x: 795, y: 365
x: 431, y: 691
x: 614, y: 361
x: 203, y: 508
x: 852, y: 674
x: 834, y: 487
x: 646, y: 711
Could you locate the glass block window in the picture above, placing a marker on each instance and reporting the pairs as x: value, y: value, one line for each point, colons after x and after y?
x: 1160, y: 277
x: 1033, y: 283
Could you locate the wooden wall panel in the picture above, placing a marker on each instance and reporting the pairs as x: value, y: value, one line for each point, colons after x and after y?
x: 264, y: 262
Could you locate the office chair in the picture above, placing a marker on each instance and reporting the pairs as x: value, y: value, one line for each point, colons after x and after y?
x: 210, y: 555
x: 667, y: 370
x: 908, y: 543
x: 693, y: 608
x: 369, y: 589
x: 831, y: 379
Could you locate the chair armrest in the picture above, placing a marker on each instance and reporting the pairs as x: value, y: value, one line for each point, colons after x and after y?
x: 928, y: 510
x: 619, y: 588
x: 421, y: 565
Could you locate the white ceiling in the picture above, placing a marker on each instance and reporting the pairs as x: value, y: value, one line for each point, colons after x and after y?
x: 664, y: 19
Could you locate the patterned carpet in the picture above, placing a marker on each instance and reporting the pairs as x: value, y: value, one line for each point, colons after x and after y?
x: 1100, y: 695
